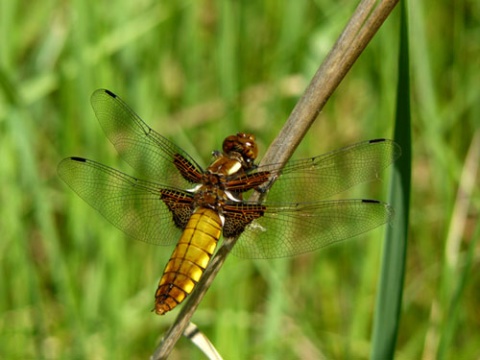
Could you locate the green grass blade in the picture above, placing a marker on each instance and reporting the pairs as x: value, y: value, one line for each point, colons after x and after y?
x: 457, y: 266
x: 452, y: 320
x: 389, y: 298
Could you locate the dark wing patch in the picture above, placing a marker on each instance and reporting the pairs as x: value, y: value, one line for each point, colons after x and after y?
x: 180, y: 205
x: 238, y: 216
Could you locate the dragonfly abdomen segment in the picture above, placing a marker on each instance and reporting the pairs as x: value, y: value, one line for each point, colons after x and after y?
x: 189, y: 259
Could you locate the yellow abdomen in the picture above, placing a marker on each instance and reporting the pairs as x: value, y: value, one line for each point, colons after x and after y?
x: 189, y: 259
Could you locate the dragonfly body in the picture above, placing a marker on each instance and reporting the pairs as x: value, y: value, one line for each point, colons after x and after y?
x: 204, y: 227
x: 189, y: 259
x: 180, y: 200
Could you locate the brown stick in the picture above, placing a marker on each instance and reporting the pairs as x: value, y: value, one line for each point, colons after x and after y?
x: 364, y: 23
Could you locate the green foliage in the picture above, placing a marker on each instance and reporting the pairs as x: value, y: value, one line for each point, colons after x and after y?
x: 75, y: 287
x: 389, y: 298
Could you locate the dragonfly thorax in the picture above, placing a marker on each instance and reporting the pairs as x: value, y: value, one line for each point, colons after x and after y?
x: 210, y: 197
x: 225, y: 165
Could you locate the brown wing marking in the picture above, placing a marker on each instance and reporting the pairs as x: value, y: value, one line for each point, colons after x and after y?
x: 179, y: 204
x: 187, y: 169
x: 238, y: 216
x: 247, y: 182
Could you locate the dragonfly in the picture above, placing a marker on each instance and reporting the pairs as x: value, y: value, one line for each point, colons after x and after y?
x: 176, y: 201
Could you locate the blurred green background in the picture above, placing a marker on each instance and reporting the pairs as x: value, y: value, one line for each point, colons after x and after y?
x: 74, y: 287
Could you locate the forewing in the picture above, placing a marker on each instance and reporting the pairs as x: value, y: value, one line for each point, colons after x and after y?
x: 134, y: 206
x: 151, y: 154
x: 289, y: 230
x: 320, y: 177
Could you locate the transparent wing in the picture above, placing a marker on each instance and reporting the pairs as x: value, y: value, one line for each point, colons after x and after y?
x: 148, y: 152
x: 320, y: 177
x: 289, y: 230
x: 132, y: 205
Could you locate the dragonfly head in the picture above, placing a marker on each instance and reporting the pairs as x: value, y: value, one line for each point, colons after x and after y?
x: 243, y: 144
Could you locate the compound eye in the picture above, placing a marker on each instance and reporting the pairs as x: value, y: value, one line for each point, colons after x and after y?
x: 230, y: 144
x: 243, y: 144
